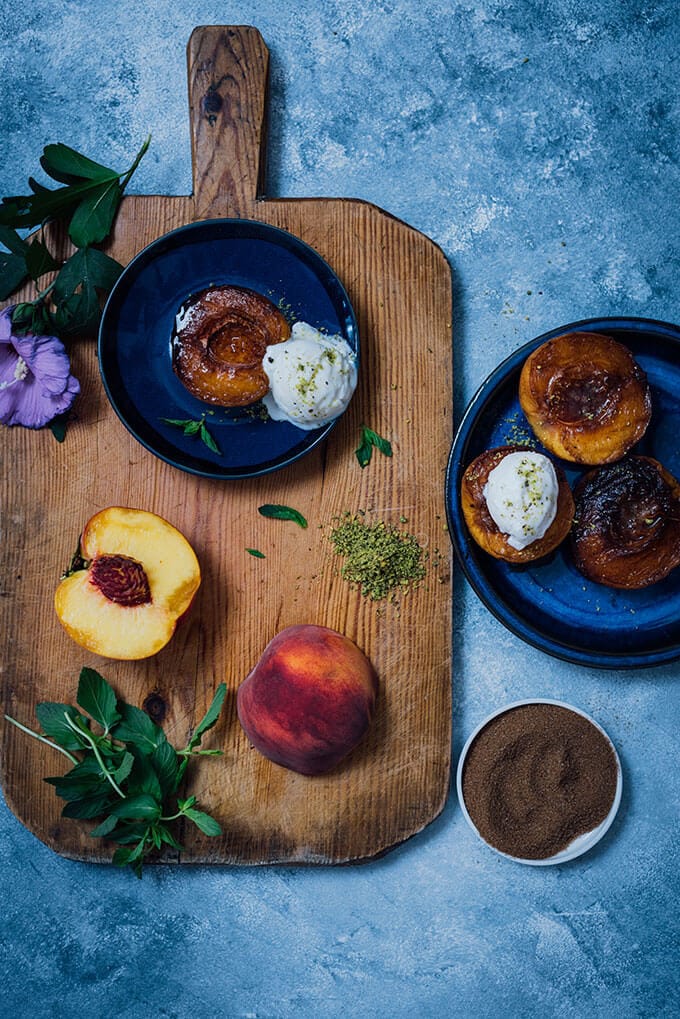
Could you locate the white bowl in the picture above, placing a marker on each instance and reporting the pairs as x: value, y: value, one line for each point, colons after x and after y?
x: 581, y: 844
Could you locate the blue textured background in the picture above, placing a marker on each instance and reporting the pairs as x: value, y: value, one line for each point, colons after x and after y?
x: 537, y: 142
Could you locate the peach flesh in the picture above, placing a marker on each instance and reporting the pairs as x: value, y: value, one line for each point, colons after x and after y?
x: 139, y: 576
x: 309, y: 700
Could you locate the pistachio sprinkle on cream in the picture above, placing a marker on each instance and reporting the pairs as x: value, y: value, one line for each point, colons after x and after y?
x: 521, y: 496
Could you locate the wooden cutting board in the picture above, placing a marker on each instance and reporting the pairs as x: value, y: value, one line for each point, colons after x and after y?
x: 399, y: 284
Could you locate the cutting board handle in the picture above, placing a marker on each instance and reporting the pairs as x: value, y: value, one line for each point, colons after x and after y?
x: 228, y: 72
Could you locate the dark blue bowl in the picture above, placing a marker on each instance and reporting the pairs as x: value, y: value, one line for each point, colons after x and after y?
x: 549, y: 604
x: 135, y: 357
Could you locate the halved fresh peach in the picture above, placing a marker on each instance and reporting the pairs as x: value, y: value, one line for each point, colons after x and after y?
x: 138, y: 577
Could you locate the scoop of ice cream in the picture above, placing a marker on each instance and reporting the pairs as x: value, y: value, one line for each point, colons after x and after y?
x: 311, y: 376
x: 521, y: 496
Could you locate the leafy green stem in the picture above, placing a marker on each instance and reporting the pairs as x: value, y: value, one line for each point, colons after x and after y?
x: 138, y: 159
x: 47, y: 742
x: 82, y: 731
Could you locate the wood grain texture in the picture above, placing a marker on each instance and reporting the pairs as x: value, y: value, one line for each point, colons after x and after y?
x: 399, y: 284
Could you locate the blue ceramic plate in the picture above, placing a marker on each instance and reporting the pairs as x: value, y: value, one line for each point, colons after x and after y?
x: 549, y: 603
x: 135, y: 340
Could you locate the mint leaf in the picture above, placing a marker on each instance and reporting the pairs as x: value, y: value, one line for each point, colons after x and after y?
x: 136, y: 727
x: 143, y: 807
x: 282, y: 513
x: 87, y: 807
x: 53, y: 723
x: 195, y: 426
x: 165, y: 764
x: 256, y: 552
x: 124, y: 768
x: 207, y: 824
x: 208, y: 440
x: 211, y: 716
x: 105, y: 828
x: 166, y: 836
x: 369, y: 440
x: 97, y: 697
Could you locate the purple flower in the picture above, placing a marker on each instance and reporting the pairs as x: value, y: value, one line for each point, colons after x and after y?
x: 35, y: 377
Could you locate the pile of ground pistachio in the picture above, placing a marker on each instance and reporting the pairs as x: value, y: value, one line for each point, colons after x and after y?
x: 380, y: 559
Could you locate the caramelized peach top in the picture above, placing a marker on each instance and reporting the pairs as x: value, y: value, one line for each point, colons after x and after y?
x: 221, y: 337
x: 627, y: 528
x: 585, y: 397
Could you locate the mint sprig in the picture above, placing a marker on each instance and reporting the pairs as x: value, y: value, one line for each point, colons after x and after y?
x: 369, y: 441
x: 124, y: 769
x: 197, y: 427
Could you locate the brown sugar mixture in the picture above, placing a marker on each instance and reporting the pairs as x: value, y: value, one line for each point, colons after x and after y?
x: 537, y: 777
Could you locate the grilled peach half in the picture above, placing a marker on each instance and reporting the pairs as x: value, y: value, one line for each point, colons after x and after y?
x: 585, y: 397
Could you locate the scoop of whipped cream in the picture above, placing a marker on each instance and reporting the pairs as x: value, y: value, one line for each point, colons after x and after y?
x: 521, y: 496
x: 311, y: 377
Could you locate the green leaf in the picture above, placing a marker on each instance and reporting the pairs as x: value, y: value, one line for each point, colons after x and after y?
x: 78, y: 314
x: 167, y: 837
x: 207, y: 824
x: 136, y: 727
x: 165, y: 764
x: 59, y: 424
x: 126, y: 833
x: 208, y: 440
x: 13, y: 273
x: 144, y: 807
x: 53, y: 723
x: 282, y: 513
x: 122, y: 857
x: 87, y: 807
x: 87, y: 268
x: 39, y: 260
x: 92, y: 220
x: 98, y: 698
x: 192, y: 427
x: 12, y: 241
x: 210, y: 718
x: 64, y: 164
x: 124, y: 768
x: 85, y: 779
x: 370, y: 439
x: 103, y: 829
x: 178, y: 422
x: 256, y: 552
x: 143, y: 777
x: 43, y: 204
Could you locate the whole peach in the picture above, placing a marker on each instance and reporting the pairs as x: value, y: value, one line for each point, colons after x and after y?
x: 309, y: 700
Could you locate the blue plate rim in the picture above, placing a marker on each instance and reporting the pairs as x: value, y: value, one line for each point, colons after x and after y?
x: 257, y: 227
x: 462, y: 541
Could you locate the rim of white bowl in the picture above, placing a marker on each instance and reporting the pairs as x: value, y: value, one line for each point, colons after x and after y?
x: 582, y: 843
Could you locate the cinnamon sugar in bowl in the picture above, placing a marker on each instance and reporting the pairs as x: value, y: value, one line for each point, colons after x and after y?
x: 539, y: 781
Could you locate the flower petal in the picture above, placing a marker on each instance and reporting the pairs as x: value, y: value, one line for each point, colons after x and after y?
x: 6, y: 324
x: 47, y: 360
x: 25, y: 404
x: 8, y: 362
